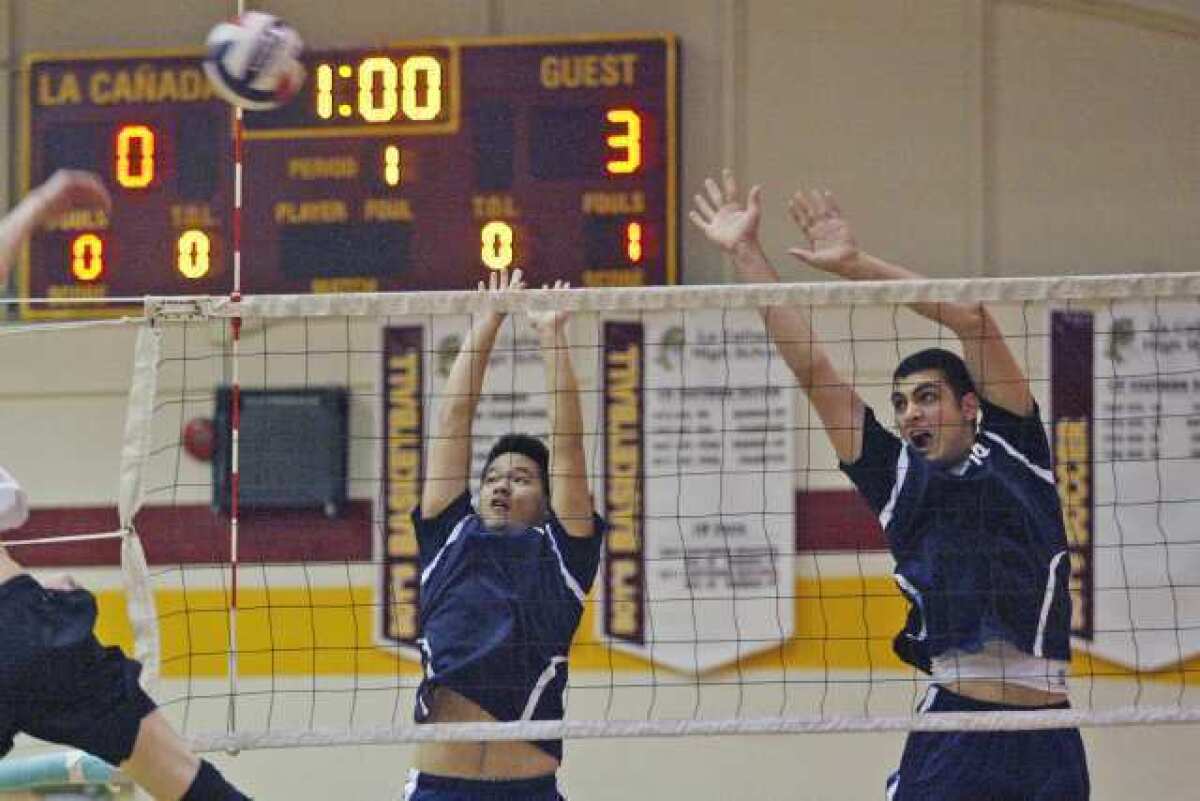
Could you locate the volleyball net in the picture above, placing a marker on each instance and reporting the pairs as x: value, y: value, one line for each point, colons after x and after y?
x: 744, y: 587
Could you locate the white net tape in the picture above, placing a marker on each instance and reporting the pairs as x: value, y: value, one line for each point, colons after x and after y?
x: 584, y: 729
x: 645, y: 299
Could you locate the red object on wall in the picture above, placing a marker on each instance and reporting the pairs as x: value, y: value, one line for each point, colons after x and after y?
x: 198, y: 438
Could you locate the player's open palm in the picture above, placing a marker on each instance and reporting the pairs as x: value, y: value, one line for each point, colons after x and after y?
x: 547, y: 323
x: 723, y: 217
x: 501, y: 283
x: 831, y: 241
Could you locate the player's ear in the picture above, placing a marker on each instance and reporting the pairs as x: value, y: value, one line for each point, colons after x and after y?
x: 970, y: 406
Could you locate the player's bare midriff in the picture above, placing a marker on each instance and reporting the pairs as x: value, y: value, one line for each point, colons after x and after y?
x: 500, y: 759
x: 1000, y: 692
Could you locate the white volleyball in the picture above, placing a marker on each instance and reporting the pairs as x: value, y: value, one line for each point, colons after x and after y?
x: 253, y: 61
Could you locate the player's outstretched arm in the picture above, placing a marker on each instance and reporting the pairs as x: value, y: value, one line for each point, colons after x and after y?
x: 569, y: 495
x: 832, y: 248
x: 732, y: 225
x: 62, y: 191
x: 164, y: 766
x: 450, y: 450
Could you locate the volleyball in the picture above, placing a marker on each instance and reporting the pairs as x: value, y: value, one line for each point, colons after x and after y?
x: 253, y: 61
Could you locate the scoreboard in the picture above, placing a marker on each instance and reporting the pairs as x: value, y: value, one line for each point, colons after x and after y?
x: 409, y: 167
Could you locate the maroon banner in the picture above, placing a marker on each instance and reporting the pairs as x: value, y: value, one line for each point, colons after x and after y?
x: 624, y: 475
x: 1072, y: 399
x: 403, y: 433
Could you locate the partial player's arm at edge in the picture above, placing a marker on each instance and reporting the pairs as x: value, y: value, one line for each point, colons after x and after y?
x: 64, y: 190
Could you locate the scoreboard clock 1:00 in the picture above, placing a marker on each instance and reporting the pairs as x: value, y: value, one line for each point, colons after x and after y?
x: 408, y: 167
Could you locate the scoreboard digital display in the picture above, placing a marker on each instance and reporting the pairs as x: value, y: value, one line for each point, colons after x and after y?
x: 410, y: 167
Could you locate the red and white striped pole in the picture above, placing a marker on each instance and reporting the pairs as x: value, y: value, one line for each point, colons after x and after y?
x: 235, y: 413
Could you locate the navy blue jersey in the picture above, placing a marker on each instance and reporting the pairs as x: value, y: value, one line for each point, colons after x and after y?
x: 980, y: 548
x: 498, y: 611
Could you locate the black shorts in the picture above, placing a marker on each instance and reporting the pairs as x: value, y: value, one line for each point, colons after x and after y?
x: 57, y: 682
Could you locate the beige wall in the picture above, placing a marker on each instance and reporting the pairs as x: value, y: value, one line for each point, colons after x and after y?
x: 964, y: 137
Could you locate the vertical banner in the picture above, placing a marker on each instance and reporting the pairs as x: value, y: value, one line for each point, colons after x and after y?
x: 1073, y: 410
x: 1145, y: 474
x: 403, y: 433
x: 624, y: 564
x: 699, y: 486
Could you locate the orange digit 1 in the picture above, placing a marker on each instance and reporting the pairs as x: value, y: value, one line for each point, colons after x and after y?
x: 87, y: 257
x: 324, y: 91
x: 392, y: 165
x: 633, y: 242
x: 135, y: 173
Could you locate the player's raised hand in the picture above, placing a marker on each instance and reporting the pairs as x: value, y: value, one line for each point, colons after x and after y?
x: 63, y: 191
x: 72, y: 189
x: 723, y: 217
x: 550, y: 323
x: 501, y: 283
x: 831, y: 243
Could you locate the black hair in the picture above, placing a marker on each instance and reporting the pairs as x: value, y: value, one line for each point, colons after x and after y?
x: 526, y: 446
x: 949, y: 364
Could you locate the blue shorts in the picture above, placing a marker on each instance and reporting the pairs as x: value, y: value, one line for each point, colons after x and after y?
x: 1043, y: 765
x: 57, y: 682
x: 428, y: 787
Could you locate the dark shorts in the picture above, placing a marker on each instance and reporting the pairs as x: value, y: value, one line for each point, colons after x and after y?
x: 57, y: 682
x: 427, y: 787
x: 1044, y: 765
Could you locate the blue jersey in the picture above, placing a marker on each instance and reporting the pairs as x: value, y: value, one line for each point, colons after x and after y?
x: 980, y: 548
x: 498, y: 611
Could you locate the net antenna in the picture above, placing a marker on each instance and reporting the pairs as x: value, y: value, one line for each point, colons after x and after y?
x: 235, y: 403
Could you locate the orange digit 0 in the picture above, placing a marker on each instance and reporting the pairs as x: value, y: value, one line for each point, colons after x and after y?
x: 129, y: 175
x: 87, y: 257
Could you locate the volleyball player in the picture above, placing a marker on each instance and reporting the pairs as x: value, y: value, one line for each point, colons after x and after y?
x: 57, y: 682
x: 502, y: 583
x: 966, y: 498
